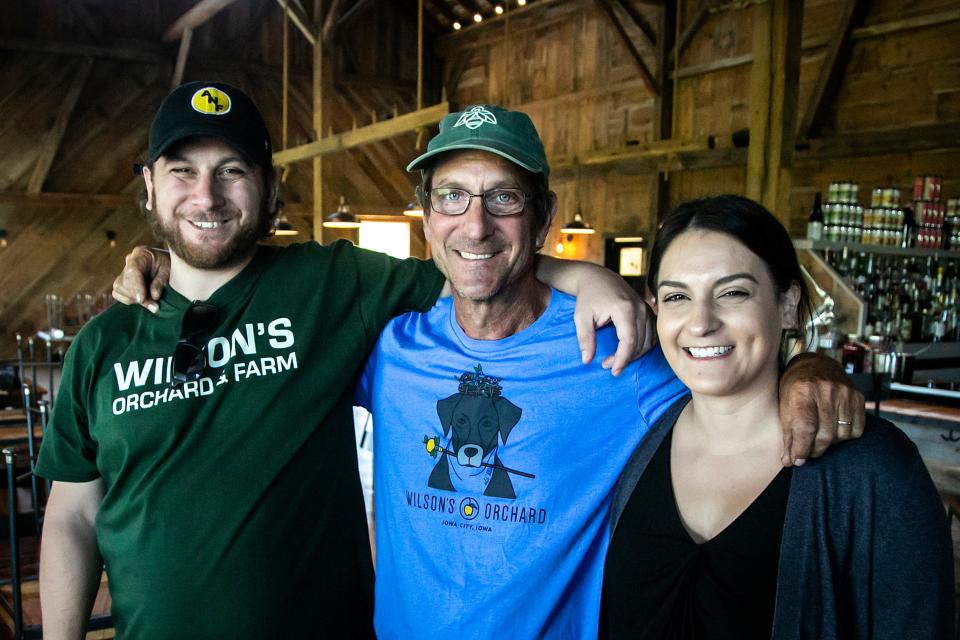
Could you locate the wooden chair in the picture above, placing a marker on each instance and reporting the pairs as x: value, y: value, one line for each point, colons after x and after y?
x: 20, y: 604
x: 19, y: 595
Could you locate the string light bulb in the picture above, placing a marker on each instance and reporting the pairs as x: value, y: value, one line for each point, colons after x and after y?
x: 457, y: 26
x: 498, y: 10
x: 477, y: 17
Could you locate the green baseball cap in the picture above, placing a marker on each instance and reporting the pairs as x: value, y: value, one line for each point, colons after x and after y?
x: 510, y: 134
x: 213, y: 109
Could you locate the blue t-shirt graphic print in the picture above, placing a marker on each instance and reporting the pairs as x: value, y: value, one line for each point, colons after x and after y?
x: 494, y: 465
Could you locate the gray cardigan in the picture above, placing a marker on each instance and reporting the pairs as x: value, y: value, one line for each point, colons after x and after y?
x: 866, y: 550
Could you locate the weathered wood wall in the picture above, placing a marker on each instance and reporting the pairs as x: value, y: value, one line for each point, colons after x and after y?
x: 57, y: 243
x: 896, y: 113
x: 567, y: 67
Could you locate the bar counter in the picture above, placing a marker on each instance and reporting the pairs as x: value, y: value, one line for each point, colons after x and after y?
x: 935, y: 429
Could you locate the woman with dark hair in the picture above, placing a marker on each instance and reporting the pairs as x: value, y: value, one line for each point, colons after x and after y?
x: 711, y: 536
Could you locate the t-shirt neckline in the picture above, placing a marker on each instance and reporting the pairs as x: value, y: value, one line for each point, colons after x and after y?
x: 222, y: 296
x: 521, y: 337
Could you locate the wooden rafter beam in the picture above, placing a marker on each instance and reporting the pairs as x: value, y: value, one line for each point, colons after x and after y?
x: 199, y: 14
x: 322, y: 101
x: 51, y: 143
x: 640, y: 21
x: 330, y: 22
x: 686, y: 36
x: 389, y: 161
x: 470, y: 6
x: 185, y: 39
x: 299, y: 18
x: 666, y: 158
x: 441, y: 7
x: 648, y: 79
x: 916, y: 22
x: 834, y: 66
x: 364, y: 135
x: 927, y: 137
x: 664, y: 105
x: 351, y: 14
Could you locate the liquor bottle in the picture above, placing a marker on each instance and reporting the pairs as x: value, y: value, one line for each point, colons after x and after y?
x: 906, y: 232
x: 815, y: 223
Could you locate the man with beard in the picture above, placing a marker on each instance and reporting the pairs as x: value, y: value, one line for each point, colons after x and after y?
x: 205, y: 455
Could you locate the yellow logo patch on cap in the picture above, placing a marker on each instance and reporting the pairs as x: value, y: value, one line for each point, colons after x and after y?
x: 211, y: 101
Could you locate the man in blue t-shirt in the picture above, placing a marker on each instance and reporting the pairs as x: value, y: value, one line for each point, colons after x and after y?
x: 496, y: 450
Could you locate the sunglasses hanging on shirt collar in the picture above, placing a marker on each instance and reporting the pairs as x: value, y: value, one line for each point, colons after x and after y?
x: 189, y: 358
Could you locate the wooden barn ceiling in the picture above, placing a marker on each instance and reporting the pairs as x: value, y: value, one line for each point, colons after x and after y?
x: 81, y: 79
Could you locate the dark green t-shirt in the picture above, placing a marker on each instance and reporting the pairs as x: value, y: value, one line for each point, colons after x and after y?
x: 233, y: 507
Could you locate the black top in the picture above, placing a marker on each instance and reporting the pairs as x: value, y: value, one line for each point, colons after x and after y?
x: 659, y: 584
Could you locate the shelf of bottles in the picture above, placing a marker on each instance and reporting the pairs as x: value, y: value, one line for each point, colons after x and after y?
x: 910, y: 294
x: 928, y: 222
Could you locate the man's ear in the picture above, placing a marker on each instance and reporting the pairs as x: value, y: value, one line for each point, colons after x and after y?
x: 551, y: 213
x: 788, y: 304
x: 274, y: 189
x: 425, y: 223
x: 148, y: 183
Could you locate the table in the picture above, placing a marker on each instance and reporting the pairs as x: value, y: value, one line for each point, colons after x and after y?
x: 935, y: 429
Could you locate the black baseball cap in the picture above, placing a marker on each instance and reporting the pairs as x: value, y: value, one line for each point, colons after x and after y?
x: 213, y: 109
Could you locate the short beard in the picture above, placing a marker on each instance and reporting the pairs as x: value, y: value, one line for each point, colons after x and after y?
x: 235, y: 251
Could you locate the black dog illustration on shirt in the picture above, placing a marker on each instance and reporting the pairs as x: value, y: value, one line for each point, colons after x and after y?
x: 480, y: 419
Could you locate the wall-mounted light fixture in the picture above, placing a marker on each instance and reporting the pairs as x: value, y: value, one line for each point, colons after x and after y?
x: 111, y: 238
x: 3, y: 238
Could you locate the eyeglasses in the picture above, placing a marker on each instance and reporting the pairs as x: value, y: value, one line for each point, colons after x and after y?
x: 189, y: 359
x: 497, y: 202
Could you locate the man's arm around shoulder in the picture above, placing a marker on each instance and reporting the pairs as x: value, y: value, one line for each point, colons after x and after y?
x: 70, y: 563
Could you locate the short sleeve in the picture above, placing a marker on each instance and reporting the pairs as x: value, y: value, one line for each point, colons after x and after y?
x: 657, y: 386
x: 67, y: 452
x: 389, y: 287
x: 362, y: 391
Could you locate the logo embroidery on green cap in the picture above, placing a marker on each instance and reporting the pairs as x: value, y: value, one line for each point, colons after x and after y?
x: 211, y: 101
x: 474, y: 117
